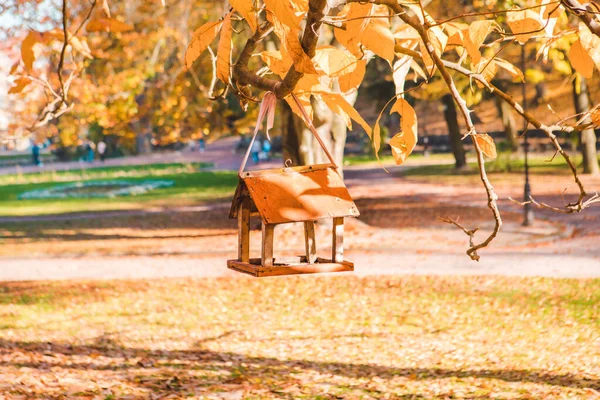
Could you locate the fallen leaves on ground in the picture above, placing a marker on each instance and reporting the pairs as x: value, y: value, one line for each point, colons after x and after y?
x: 302, y: 337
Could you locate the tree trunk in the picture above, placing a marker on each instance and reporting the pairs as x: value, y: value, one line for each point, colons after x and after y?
x: 143, y: 137
x: 454, y: 132
x: 587, y: 137
x: 298, y: 142
x: 291, y: 132
x: 508, y: 119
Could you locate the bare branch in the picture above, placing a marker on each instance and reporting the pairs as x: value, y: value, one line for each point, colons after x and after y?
x: 422, y: 30
x: 61, y: 61
x: 469, y: 232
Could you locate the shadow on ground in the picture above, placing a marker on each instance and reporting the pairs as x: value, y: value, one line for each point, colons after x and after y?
x: 168, y: 371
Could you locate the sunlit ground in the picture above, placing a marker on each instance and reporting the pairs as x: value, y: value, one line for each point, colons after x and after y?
x: 311, y: 337
x: 295, y: 337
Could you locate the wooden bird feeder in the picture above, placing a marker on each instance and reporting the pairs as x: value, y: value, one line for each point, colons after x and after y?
x: 285, y: 195
x: 296, y: 194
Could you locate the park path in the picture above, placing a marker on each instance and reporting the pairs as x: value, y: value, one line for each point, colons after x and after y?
x: 220, y: 153
x: 557, y: 246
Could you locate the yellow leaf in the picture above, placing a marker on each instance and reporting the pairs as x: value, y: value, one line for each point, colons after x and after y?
x: 81, y: 46
x: 304, y: 100
x: 106, y: 8
x: 276, y: 63
x: 524, y: 24
x: 591, y: 43
x: 291, y: 45
x: 474, y: 38
x: 485, y: 144
x: 512, y: 70
x: 288, y: 12
x: 404, y: 143
x: 14, y: 67
x: 201, y: 39
x: 246, y: 9
x: 479, y: 30
x: 309, y: 83
x: 378, y: 38
x: 399, y: 71
x: 333, y: 61
x: 350, y: 37
x: 595, y: 116
x: 456, y: 33
x: 352, y: 80
x: 376, y: 135
x: 418, y: 70
x: 107, y: 25
x: 488, y: 69
x: 340, y: 106
x: 19, y: 85
x: 406, y: 34
x: 581, y: 60
x: 224, y: 51
x: 27, y: 54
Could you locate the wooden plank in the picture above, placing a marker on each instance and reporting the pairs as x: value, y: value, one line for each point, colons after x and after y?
x: 322, y: 266
x: 337, y: 246
x: 267, y: 245
x: 309, y: 241
x: 294, y: 196
x: 300, y: 168
x: 244, y: 231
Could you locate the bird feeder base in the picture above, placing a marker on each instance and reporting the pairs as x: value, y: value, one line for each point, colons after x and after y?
x: 289, y: 266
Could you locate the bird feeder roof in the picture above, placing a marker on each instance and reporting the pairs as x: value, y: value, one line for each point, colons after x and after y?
x: 295, y: 194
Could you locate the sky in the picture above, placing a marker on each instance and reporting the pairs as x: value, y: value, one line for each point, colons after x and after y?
x: 5, y: 64
x: 9, y: 20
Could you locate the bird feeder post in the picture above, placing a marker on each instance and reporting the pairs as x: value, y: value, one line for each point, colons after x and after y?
x: 267, y: 244
x: 310, y: 242
x: 244, y: 231
x: 337, y: 246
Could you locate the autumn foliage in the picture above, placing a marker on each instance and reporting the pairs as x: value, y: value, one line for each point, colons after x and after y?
x: 318, y: 50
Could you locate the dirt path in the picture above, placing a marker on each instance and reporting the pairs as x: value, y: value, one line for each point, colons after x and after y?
x: 397, y: 233
x: 219, y: 153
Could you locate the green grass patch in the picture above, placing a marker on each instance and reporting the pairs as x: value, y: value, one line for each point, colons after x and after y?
x: 113, y: 172
x: 190, y: 187
x: 504, y: 164
x: 369, y: 159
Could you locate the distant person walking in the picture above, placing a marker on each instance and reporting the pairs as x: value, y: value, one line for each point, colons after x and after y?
x: 89, y: 151
x: 35, y: 153
x: 101, y: 150
x: 266, y: 148
x: 201, y: 144
x: 256, y: 149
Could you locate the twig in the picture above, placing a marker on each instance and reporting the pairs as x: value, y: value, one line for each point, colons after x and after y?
x: 468, y: 232
x: 492, y: 197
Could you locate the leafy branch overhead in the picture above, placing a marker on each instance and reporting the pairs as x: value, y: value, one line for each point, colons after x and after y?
x: 409, y: 39
x: 274, y: 45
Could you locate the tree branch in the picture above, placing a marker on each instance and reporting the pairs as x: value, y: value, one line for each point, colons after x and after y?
x: 422, y: 29
x: 245, y: 76
x: 61, y: 61
x: 587, y: 17
x: 242, y: 74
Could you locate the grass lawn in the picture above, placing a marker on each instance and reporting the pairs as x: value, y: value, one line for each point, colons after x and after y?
x: 505, y: 164
x: 370, y: 160
x: 302, y: 337
x: 191, y: 185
